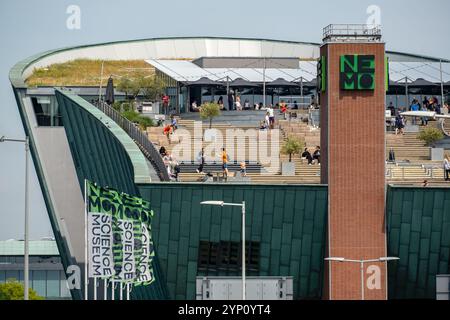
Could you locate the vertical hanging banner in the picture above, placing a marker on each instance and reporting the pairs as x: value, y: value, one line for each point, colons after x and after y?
x: 120, y: 243
x: 100, y: 237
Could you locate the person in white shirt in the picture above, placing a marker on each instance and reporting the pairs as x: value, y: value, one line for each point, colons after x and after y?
x: 446, y: 168
x: 238, y: 103
x: 271, y: 117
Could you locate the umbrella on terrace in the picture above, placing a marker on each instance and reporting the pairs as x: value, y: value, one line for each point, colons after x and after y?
x: 421, y: 83
x: 241, y: 83
x: 204, y: 82
x: 109, y: 94
x: 280, y: 82
x: 310, y: 84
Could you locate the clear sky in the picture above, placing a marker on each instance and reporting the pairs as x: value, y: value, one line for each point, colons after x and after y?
x: 32, y: 26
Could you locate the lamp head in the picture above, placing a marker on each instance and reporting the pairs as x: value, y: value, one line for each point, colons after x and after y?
x: 212, y: 203
x: 388, y: 258
x: 338, y: 259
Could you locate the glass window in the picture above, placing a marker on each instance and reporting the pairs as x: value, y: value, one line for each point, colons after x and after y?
x: 39, y: 284
x: 47, y: 111
x: 53, y: 284
x: 2, y: 276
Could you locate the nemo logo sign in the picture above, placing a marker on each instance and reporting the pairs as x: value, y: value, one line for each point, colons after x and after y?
x: 357, y: 72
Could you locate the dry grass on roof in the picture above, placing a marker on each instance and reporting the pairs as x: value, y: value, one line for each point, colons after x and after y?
x: 86, y: 72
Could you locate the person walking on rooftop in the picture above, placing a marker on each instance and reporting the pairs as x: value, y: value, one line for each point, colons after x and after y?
x: 415, y: 106
x: 201, y: 159
x: 165, y: 102
x: 174, y: 123
x: 271, y: 117
x: 399, y: 124
x: 243, y: 169
x: 446, y: 168
x: 424, y: 119
x: 168, y: 131
x: 225, y: 163
x: 267, y: 120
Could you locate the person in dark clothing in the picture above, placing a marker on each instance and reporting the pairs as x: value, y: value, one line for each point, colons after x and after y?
x: 162, y: 151
x: 391, y: 108
x: 230, y: 101
x: 307, y: 155
x: 220, y: 102
x: 201, y: 159
x: 391, y: 155
x: 425, y: 102
x: 316, y: 155
x: 399, y: 124
x: 438, y: 108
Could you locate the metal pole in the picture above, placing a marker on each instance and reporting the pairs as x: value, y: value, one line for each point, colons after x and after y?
x: 128, y: 291
x: 113, y: 289
x: 26, y: 245
x: 85, y: 243
x: 120, y: 290
x: 442, y: 86
x: 101, y: 78
x: 362, y: 279
x: 105, y: 289
x: 264, y: 81
x: 406, y: 92
x: 243, y: 250
x: 95, y: 288
x: 301, y: 88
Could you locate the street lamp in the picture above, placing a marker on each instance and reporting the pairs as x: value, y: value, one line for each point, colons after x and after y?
x: 361, y: 262
x: 221, y: 203
x: 26, y: 236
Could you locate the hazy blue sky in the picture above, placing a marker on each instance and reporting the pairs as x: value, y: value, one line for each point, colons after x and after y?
x: 29, y: 27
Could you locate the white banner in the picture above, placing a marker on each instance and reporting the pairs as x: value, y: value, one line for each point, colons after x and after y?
x: 144, y: 274
x: 100, y: 254
x: 128, y: 271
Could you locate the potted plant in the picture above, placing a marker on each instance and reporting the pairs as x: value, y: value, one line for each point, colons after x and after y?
x: 430, y: 136
x: 209, y: 111
x: 291, y: 146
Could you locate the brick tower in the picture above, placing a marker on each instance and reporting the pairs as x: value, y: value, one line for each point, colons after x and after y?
x: 352, y: 89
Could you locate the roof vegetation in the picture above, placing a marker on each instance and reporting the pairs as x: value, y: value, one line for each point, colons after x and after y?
x: 87, y: 72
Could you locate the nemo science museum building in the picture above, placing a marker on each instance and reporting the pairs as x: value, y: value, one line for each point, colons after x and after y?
x: 357, y: 226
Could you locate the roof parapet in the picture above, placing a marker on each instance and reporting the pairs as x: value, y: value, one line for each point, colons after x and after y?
x: 352, y: 33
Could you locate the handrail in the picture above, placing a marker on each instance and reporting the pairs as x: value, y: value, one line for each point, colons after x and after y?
x: 151, y: 153
x: 428, y: 169
x: 352, y: 31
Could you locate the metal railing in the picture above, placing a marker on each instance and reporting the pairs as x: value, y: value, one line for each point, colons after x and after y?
x: 141, y: 139
x: 351, y: 31
x: 428, y: 170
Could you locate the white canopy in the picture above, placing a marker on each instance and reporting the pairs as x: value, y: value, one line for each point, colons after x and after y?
x: 183, y: 70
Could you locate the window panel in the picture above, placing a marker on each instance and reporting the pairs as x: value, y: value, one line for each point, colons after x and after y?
x: 39, y: 285
x: 53, y: 284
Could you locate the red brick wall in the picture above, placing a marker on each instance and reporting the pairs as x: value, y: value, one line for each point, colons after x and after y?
x: 353, y: 166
